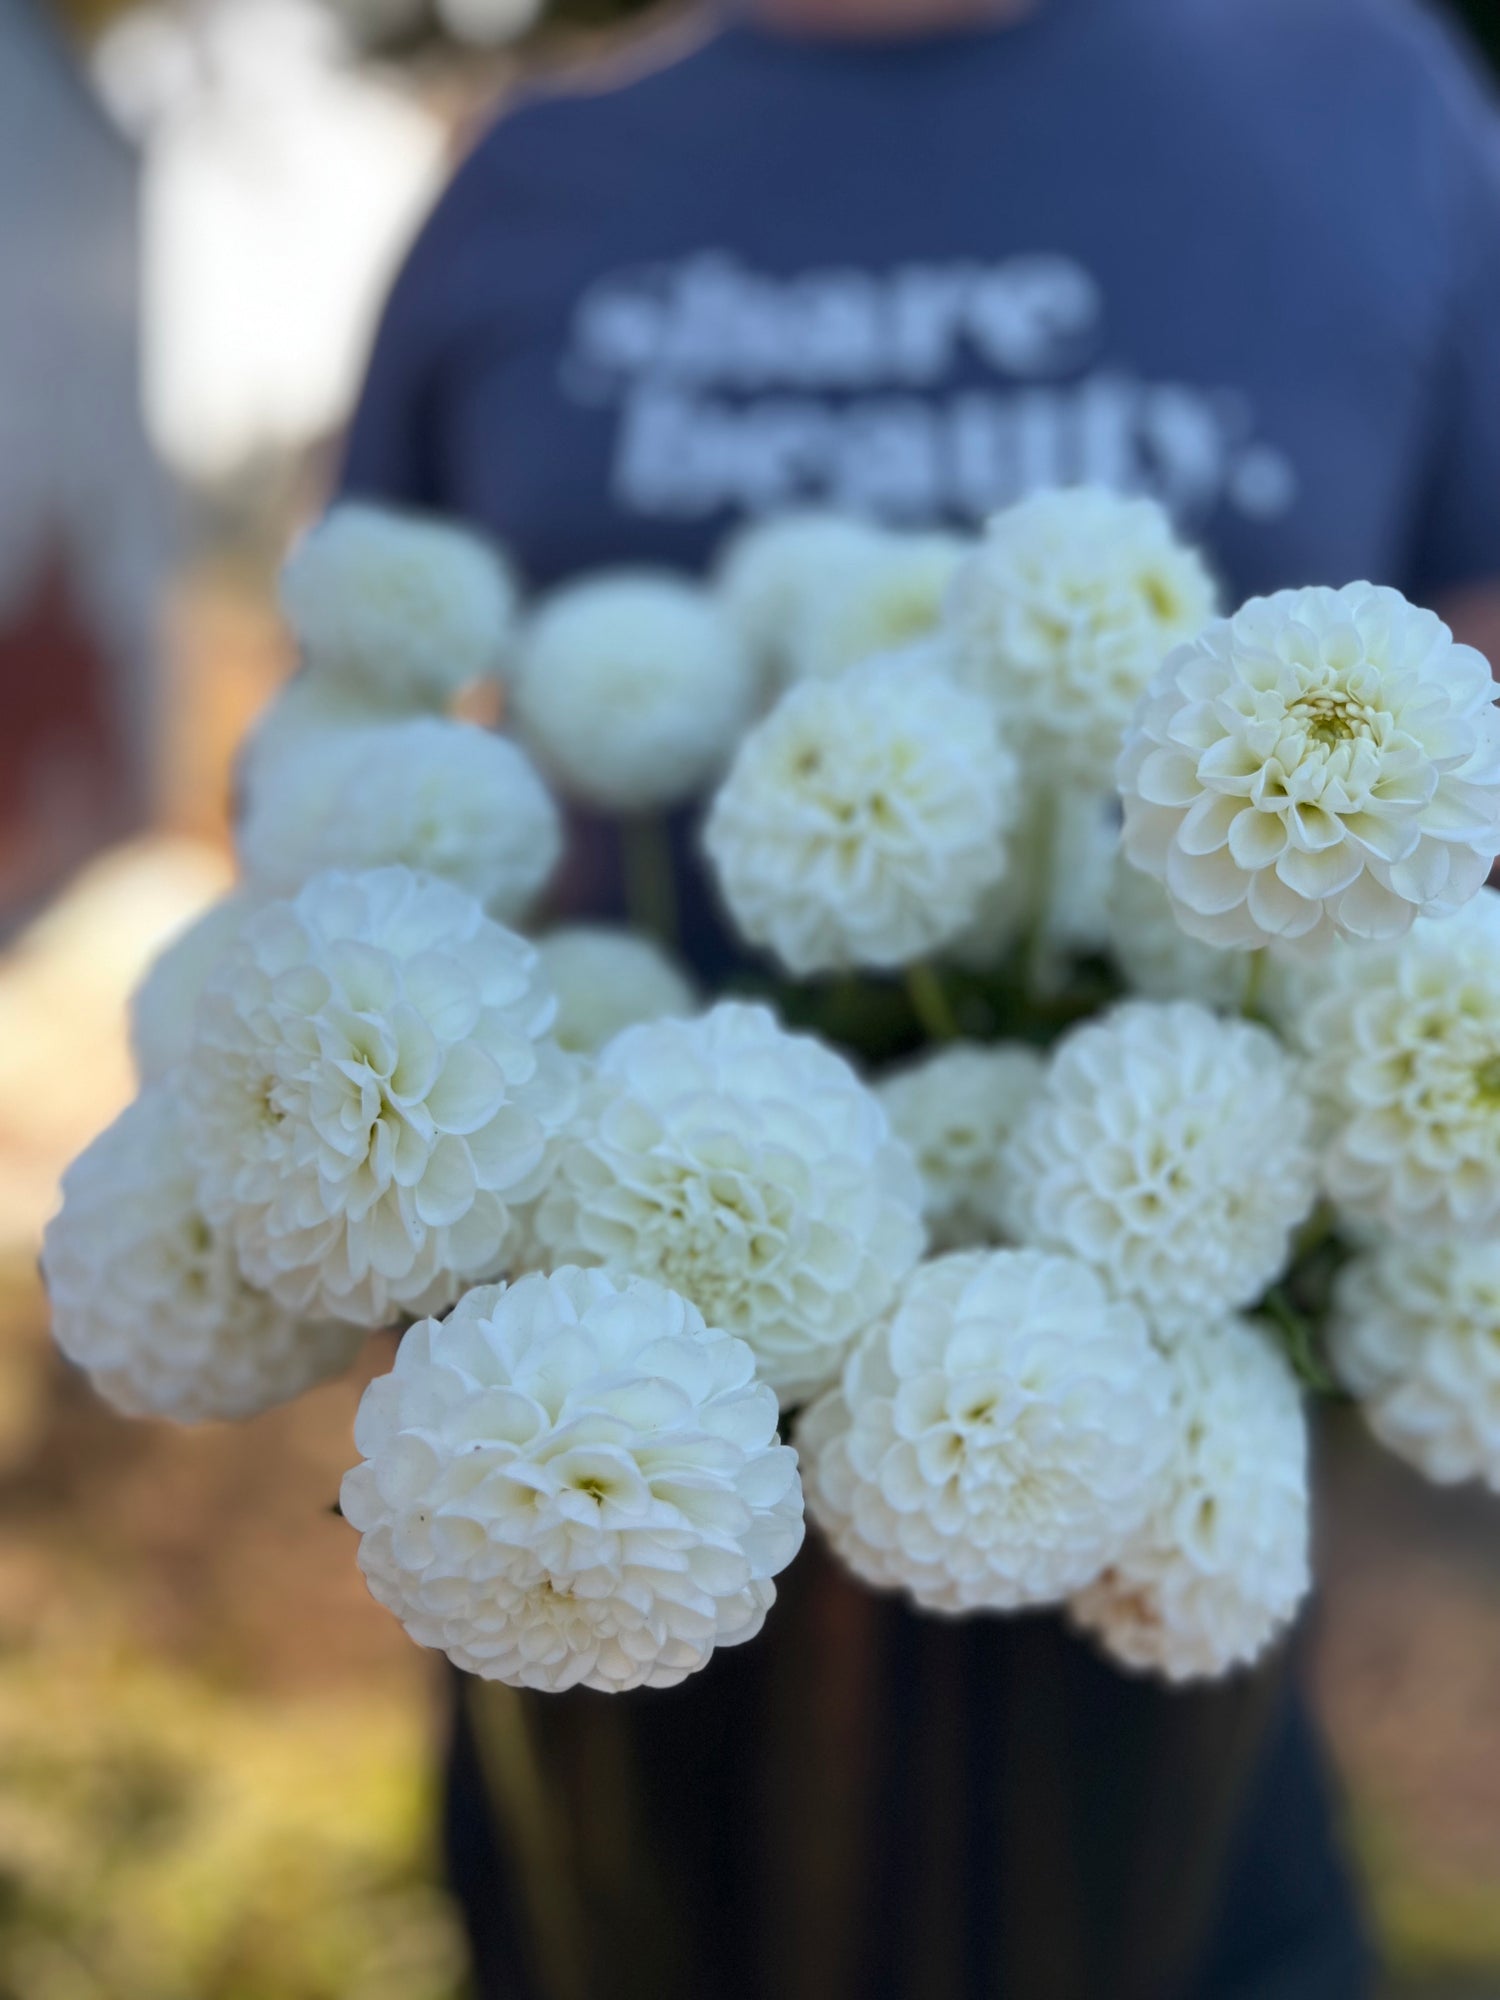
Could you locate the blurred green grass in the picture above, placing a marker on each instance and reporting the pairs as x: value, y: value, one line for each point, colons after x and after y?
x: 160, y: 1840
x: 216, y: 1756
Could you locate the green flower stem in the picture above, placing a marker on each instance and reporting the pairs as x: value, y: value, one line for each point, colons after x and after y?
x: 1315, y: 1234
x: 1300, y: 1342
x: 650, y: 883
x: 1253, y: 1004
x: 930, y: 1003
x: 1041, y: 833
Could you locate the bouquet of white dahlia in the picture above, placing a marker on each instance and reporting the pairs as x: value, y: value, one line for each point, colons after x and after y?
x: 1113, y: 1060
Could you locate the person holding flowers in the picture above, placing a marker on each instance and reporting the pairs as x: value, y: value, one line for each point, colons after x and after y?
x: 880, y: 404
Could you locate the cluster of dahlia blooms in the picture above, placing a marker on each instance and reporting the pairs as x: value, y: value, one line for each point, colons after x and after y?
x: 1114, y: 1059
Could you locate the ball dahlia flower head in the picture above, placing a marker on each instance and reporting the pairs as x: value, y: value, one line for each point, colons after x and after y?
x: 863, y: 821
x: 996, y: 1437
x: 148, y: 1296
x: 1220, y: 1564
x: 398, y: 609
x: 1324, y: 765
x: 370, y: 1092
x: 750, y: 1170
x: 1173, y: 1152
x: 572, y: 1481
x: 1402, y: 1053
x: 436, y: 796
x: 632, y: 688
x: 1415, y: 1336
x: 1062, y: 614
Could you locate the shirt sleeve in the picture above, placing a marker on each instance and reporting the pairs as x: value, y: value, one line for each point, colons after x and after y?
x: 438, y: 306
x: 1457, y: 538
x: 390, y: 451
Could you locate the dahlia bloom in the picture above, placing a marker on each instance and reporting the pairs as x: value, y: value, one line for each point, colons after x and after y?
x: 877, y: 598
x: 412, y: 609
x: 1323, y: 765
x: 310, y: 718
x: 748, y: 1169
x: 632, y: 689
x: 572, y: 1481
x: 1221, y: 1565
x: 1403, y: 1056
x: 1062, y: 615
x: 995, y: 1440
x: 1415, y: 1334
x: 607, y: 979
x: 370, y: 1089
x: 436, y: 796
x: 1172, y: 1151
x: 165, y: 1000
x: 956, y: 1107
x: 147, y: 1294
x: 863, y: 820
x: 770, y: 570
x: 1156, y: 955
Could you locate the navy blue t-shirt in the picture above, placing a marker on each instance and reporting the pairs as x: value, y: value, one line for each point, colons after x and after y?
x: 1242, y: 254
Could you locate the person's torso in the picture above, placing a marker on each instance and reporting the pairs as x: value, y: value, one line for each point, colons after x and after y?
x: 1189, y: 247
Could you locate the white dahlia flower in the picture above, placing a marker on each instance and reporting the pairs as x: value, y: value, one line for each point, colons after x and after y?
x: 410, y: 608
x: 165, y: 1001
x: 770, y: 569
x: 309, y: 720
x: 1158, y: 958
x: 437, y: 796
x: 370, y: 1088
x: 607, y: 979
x: 996, y: 1441
x: 1172, y: 1151
x: 1222, y: 1563
x: 1324, y: 764
x: 147, y: 1295
x: 573, y: 1482
x: 876, y: 598
x: 633, y: 688
x: 864, y: 818
x: 956, y: 1107
x: 1415, y: 1334
x: 750, y: 1170
x: 1403, y: 1049
x: 1062, y: 615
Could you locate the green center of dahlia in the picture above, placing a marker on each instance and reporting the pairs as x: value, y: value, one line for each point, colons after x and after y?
x: 1331, y: 718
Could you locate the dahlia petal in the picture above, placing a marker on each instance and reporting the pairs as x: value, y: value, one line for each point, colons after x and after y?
x: 1207, y: 883
x: 1256, y: 839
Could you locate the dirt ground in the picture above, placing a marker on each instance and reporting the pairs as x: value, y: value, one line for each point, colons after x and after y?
x: 1408, y: 1664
